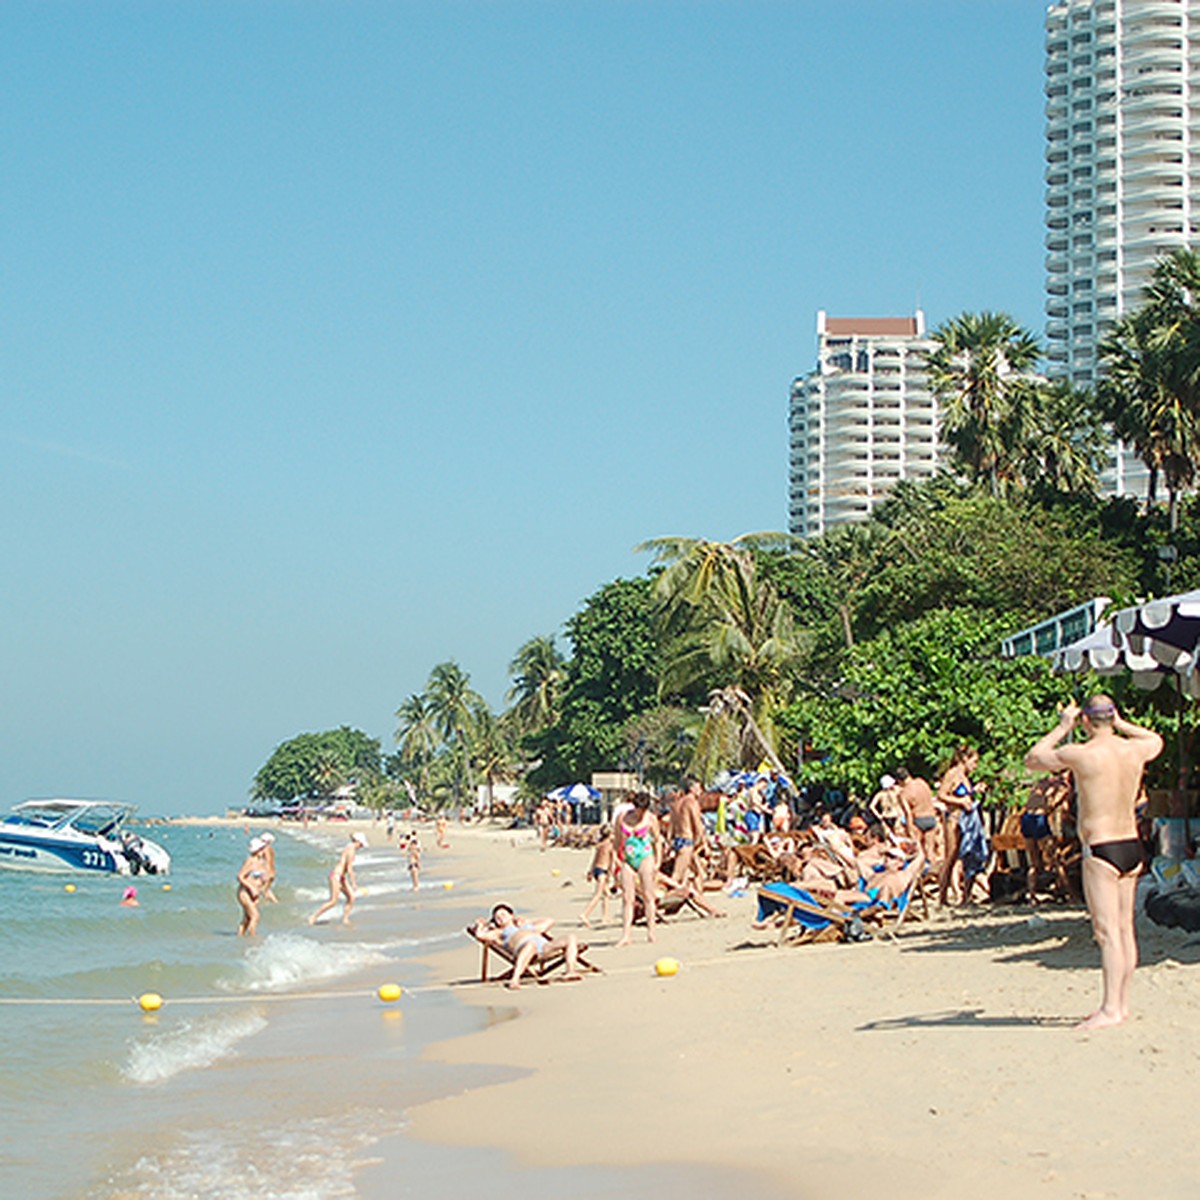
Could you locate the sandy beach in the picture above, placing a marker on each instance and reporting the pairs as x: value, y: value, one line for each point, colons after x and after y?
x: 939, y: 1064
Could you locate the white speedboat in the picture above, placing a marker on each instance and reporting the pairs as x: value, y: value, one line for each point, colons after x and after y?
x: 77, y: 835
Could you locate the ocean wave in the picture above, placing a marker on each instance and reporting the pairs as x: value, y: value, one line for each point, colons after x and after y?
x: 286, y: 960
x: 190, y: 1046
x: 298, y: 1160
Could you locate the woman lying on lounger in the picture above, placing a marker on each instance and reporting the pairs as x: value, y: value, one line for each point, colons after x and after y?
x: 526, y: 940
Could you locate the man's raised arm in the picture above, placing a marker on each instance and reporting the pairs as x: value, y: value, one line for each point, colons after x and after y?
x: 1149, y: 741
x: 1045, y: 754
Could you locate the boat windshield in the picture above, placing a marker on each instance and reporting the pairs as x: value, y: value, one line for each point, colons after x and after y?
x: 95, y: 818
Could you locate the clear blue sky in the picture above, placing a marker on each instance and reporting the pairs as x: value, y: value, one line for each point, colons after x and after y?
x: 340, y: 339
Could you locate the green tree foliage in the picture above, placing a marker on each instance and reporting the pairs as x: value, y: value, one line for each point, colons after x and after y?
x: 910, y: 694
x: 538, y: 672
x: 661, y: 741
x: 1151, y: 387
x: 417, y: 741
x: 725, y: 629
x: 982, y: 373
x: 1008, y: 428
x: 314, y: 765
x: 1014, y: 558
x: 438, y: 731
x: 612, y: 674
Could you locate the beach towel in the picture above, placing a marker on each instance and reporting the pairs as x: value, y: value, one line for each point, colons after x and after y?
x: 973, y: 846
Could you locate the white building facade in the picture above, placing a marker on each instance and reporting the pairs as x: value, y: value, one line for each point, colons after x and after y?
x: 1122, y: 189
x: 863, y: 419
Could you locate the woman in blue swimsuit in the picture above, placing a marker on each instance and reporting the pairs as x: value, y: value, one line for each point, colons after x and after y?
x: 957, y: 793
x: 639, y: 852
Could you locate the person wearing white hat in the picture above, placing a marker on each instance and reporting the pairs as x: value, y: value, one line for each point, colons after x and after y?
x: 251, y: 881
x: 268, y: 840
x: 342, y: 884
x: 885, y: 804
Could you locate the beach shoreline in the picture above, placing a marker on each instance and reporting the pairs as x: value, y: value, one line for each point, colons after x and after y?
x: 942, y: 1062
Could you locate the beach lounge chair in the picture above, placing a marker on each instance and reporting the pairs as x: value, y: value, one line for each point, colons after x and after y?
x: 539, y: 969
x: 806, y: 918
x: 854, y: 922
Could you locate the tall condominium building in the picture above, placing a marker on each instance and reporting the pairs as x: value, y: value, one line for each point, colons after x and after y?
x: 1122, y: 181
x: 863, y: 419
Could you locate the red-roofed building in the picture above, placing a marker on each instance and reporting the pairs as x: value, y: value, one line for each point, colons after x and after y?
x: 863, y: 419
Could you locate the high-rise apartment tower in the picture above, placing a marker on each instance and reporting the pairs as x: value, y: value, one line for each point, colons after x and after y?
x: 1122, y: 177
x: 859, y: 422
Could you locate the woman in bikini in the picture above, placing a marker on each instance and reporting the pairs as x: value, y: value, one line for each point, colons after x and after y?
x: 601, y: 873
x: 639, y: 851
x: 341, y: 880
x: 957, y: 793
x: 252, y: 882
x: 527, y: 939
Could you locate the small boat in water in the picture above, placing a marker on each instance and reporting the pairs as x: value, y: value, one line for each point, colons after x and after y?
x: 77, y: 835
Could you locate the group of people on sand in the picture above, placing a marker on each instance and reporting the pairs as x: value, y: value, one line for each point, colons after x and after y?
x: 651, y: 866
x: 915, y: 826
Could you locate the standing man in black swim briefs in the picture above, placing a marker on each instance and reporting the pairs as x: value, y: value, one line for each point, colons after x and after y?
x: 1108, y: 772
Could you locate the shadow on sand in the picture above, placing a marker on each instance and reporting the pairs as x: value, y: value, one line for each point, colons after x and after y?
x: 969, y: 1018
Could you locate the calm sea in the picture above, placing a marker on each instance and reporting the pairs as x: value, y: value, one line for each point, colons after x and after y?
x: 270, y: 1088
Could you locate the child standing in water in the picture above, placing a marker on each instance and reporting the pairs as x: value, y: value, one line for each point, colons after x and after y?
x: 601, y: 872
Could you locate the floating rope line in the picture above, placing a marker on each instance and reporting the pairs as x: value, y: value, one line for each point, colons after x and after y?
x: 343, y: 994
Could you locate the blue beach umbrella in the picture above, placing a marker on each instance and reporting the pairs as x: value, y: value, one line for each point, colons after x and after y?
x: 574, y: 793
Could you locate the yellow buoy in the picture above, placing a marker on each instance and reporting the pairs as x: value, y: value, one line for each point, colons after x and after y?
x: 70, y: 887
x: 667, y: 966
x: 166, y: 887
x: 389, y: 993
x: 150, y: 1002
x: 555, y: 872
x: 448, y: 884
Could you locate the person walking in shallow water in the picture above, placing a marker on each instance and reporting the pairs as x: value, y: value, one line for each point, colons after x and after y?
x: 414, y: 860
x: 342, y: 883
x: 1107, y: 770
x: 252, y: 882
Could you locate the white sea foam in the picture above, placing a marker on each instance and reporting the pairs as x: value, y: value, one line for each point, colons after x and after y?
x: 190, y: 1046
x: 286, y: 960
x: 299, y: 1160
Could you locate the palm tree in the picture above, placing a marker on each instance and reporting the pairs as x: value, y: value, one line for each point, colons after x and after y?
x: 981, y: 366
x: 417, y: 738
x: 539, y: 673
x: 327, y: 774
x: 723, y: 626
x: 492, y: 752
x: 730, y: 724
x: 455, y: 710
x: 1066, y: 445
x: 850, y: 555
x: 1151, y: 388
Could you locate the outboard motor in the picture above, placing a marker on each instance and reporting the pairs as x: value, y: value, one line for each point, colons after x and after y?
x: 131, y: 847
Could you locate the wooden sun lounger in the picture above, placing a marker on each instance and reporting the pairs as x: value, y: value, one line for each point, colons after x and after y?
x: 539, y: 969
